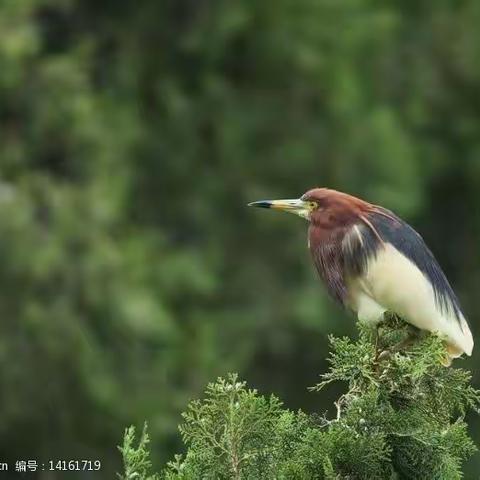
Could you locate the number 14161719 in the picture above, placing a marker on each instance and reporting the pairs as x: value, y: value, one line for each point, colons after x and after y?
x: 74, y: 465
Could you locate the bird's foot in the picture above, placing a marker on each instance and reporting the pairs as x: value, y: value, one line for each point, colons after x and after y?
x: 384, y: 355
x: 378, y: 352
x: 389, y: 320
x: 398, y: 347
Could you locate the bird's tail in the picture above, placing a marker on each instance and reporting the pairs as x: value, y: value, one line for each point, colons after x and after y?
x: 452, y: 353
x: 463, y: 343
x: 467, y: 338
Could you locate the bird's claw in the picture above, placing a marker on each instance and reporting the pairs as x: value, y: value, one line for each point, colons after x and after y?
x: 384, y: 355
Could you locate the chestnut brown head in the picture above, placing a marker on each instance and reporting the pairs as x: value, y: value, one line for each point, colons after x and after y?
x: 322, y: 207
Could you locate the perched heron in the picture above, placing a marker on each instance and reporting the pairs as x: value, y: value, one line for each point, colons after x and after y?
x: 373, y: 262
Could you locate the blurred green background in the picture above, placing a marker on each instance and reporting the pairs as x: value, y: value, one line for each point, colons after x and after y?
x: 132, y: 134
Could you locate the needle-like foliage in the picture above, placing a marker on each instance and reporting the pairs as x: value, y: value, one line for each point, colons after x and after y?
x: 401, y: 417
x: 136, y: 458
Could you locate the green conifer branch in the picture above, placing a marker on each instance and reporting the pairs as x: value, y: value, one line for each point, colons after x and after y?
x: 136, y: 458
x: 401, y: 418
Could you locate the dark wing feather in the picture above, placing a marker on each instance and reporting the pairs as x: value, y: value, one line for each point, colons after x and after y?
x: 348, y: 253
x: 405, y: 239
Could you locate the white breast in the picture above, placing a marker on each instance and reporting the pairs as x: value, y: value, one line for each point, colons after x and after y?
x: 392, y: 282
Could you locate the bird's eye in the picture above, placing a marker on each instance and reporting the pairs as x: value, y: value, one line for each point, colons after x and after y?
x: 313, y: 205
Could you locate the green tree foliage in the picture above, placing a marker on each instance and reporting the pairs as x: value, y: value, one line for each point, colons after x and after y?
x: 137, y: 463
x: 401, y: 418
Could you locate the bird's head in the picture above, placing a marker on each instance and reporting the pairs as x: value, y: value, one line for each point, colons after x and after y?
x: 322, y: 207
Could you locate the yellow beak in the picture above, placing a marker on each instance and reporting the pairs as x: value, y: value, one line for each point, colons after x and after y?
x: 297, y: 206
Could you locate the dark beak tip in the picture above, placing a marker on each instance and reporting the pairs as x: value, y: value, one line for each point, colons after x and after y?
x: 260, y: 204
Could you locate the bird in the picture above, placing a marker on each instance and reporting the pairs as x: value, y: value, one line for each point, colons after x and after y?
x: 374, y: 263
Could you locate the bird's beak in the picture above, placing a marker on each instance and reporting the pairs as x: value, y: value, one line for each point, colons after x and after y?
x: 297, y: 206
